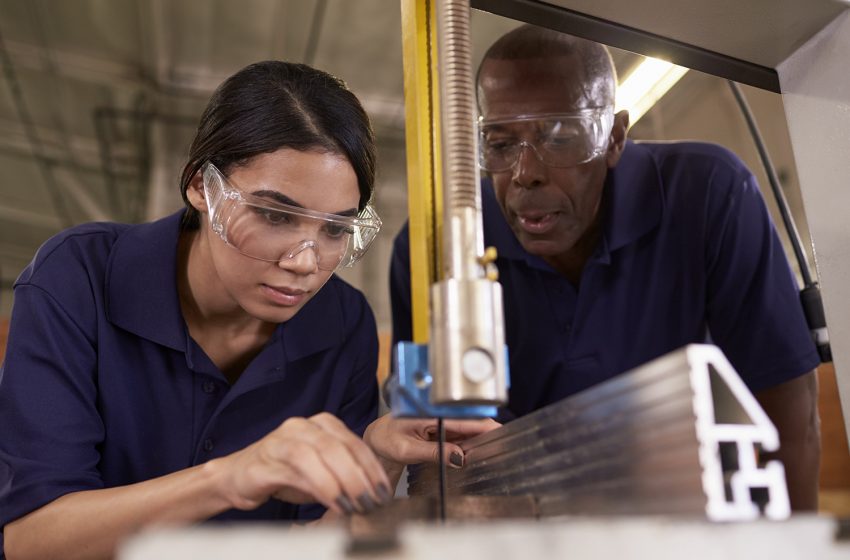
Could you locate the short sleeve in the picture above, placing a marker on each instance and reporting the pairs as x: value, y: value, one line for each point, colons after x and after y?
x: 753, y: 309
x: 50, y: 428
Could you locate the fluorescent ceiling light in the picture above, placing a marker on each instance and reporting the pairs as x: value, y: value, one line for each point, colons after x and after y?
x: 646, y: 85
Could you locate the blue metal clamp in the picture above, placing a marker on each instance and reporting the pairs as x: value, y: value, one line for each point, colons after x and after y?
x: 409, y: 388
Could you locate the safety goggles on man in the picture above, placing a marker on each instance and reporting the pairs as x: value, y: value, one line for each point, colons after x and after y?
x: 272, y: 231
x: 557, y: 139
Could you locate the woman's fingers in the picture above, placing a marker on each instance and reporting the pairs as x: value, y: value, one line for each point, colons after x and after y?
x: 301, y: 468
x: 455, y: 429
x: 355, y: 468
x: 321, y: 457
x: 365, y: 463
x: 427, y: 451
x: 458, y: 430
x: 357, y: 489
x: 407, y: 441
x: 309, y: 459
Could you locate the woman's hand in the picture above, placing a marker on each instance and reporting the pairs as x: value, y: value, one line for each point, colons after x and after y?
x: 305, y: 460
x: 405, y: 441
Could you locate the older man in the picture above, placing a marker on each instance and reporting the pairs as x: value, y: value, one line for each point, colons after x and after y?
x: 612, y: 253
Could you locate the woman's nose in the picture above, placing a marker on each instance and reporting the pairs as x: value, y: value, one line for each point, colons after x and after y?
x: 301, y: 259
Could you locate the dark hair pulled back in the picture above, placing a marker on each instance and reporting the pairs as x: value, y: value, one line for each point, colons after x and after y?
x: 272, y: 105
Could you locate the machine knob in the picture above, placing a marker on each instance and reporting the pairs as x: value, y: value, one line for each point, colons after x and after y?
x: 477, y: 365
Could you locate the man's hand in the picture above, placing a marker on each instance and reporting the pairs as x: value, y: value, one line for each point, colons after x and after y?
x: 793, y: 409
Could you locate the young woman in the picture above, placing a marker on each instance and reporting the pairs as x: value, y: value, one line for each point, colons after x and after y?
x: 208, y: 364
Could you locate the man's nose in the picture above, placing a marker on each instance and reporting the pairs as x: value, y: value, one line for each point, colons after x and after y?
x: 528, y: 171
x: 301, y: 259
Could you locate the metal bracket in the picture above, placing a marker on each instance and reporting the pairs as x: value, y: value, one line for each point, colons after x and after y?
x: 410, y: 388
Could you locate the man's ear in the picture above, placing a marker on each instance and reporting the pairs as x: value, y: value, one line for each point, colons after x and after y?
x: 195, y: 193
x: 618, y: 138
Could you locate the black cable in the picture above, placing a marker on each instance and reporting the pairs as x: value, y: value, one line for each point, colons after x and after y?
x: 810, y: 297
x: 441, y: 465
x: 781, y: 202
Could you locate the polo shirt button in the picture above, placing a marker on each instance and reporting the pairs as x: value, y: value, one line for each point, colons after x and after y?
x: 208, y: 444
x: 209, y: 387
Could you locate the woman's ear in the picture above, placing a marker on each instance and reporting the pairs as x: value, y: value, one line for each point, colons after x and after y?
x: 195, y: 193
x: 618, y: 138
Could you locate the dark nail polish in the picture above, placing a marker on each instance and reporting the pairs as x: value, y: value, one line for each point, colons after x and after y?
x: 456, y: 459
x: 384, y: 493
x: 345, y: 504
x: 366, y: 502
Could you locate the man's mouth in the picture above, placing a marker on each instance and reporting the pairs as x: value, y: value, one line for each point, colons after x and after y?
x: 537, y: 223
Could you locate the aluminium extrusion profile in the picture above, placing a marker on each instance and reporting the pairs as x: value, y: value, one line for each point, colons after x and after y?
x: 678, y: 435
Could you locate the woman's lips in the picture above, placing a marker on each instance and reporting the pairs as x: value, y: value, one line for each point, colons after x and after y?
x: 283, y: 295
x: 537, y: 223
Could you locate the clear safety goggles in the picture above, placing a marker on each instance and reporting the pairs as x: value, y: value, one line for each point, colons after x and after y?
x: 557, y: 139
x: 271, y: 231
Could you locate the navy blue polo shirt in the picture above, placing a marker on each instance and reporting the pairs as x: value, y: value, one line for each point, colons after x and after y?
x: 688, y: 251
x: 102, y: 386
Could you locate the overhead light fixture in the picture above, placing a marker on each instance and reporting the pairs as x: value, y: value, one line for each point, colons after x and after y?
x: 644, y: 86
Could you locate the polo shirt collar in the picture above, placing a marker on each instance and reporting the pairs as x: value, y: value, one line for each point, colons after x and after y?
x: 632, y: 201
x: 141, y: 283
x: 141, y: 295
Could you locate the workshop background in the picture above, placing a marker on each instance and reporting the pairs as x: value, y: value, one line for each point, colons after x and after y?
x: 99, y: 100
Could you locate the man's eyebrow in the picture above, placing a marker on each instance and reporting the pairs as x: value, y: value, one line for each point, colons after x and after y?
x: 283, y: 199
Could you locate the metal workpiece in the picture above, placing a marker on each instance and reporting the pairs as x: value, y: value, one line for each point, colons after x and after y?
x: 467, y: 343
x: 679, y: 435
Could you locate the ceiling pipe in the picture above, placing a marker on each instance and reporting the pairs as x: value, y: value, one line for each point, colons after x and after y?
x: 315, y: 32
x: 37, y: 147
x: 141, y: 118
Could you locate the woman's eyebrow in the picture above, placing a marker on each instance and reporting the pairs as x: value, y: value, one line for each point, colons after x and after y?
x: 283, y: 199
x: 277, y: 197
